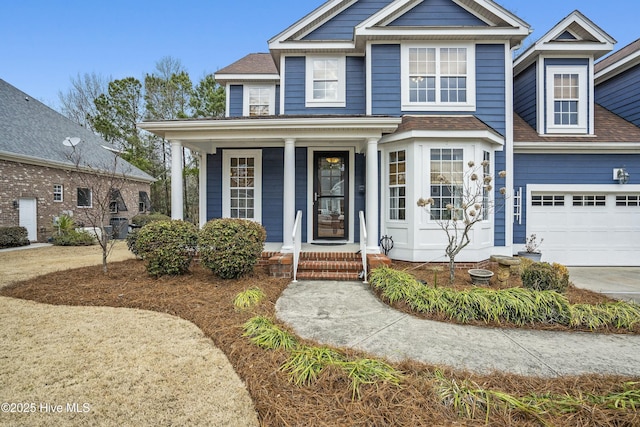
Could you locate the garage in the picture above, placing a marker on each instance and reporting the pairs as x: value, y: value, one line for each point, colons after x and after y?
x: 586, y: 225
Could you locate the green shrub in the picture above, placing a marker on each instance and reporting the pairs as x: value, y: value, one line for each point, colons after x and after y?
x: 167, y: 246
x: 541, y: 276
x: 142, y: 220
x: 64, y: 224
x: 229, y: 247
x: 11, y: 237
x: 74, y: 238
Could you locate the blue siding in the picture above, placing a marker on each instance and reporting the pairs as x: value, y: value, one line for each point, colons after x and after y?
x: 490, y: 85
x: 438, y: 13
x: 385, y: 79
x: 235, y: 100
x: 621, y: 94
x: 567, y: 169
x: 526, y: 95
x: 301, y: 188
x: 272, y: 192
x: 359, y: 198
x: 214, y: 185
x: 295, y: 88
x: 340, y: 27
x: 277, y: 100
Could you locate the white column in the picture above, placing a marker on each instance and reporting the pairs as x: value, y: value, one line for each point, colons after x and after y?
x: 202, y: 191
x: 289, y: 194
x: 177, y: 197
x: 371, y: 216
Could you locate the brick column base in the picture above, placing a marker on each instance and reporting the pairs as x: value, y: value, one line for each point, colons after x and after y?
x: 281, y: 265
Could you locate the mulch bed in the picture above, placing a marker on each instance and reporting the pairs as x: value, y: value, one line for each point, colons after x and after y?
x: 208, y: 303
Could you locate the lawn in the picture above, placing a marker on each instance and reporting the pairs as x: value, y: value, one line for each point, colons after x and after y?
x: 423, y: 397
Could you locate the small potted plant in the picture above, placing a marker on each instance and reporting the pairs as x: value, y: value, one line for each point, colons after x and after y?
x: 531, y: 248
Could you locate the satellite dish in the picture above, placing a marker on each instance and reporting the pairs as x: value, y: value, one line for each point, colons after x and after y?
x: 71, y: 142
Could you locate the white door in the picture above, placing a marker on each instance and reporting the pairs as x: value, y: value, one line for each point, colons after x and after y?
x: 587, y: 227
x: 28, y: 213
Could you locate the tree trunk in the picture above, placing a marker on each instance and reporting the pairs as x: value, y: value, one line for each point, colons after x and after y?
x: 452, y: 270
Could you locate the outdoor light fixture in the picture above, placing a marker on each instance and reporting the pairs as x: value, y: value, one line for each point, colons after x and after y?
x: 333, y: 160
x: 15, y: 204
x: 621, y: 175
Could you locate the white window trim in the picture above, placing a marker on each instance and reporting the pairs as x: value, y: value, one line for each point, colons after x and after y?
x: 342, y: 82
x: 583, y: 99
x: 470, y: 105
x: 61, y: 193
x: 245, y: 98
x: 257, y: 189
x: 389, y: 186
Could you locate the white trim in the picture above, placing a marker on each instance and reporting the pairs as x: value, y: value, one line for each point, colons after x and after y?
x: 240, y: 78
x: 301, y: 34
x: 469, y: 105
x: 310, y: 176
x: 617, y: 67
x: 227, y: 90
x: 341, y: 100
x: 575, y: 147
x: 283, y: 59
x: 275, y: 41
x: 368, y: 76
x: 202, y: 190
x: 61, y: 193
x: 580, y: 188
x: 509, y: 150
x: 583, y: 99
x: 540, y: 87
x: 591, y: 100
x: 245, y: 98
x: 257, y: 178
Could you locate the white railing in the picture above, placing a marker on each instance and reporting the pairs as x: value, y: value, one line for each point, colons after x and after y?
x: 517, y: 206
x: 363, y: 246
x: 297, y: 243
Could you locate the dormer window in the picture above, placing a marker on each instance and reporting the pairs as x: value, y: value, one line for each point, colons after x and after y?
x: 259, y: 100
x: 325, y: 81
x: 567, y: 100
x: 438, y: 78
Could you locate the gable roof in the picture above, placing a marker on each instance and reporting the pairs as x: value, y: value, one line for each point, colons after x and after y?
x: 609, y: 129
x: 619, y: 62
x: 574, y: 34
x: 32, y: 133
x: 256, y: 66
x: 385, y: 24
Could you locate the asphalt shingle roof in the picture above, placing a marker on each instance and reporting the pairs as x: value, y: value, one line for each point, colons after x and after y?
x: 621, y: 54
x: 254, y: 63
x: 32, y: 131
x: 609, y: 127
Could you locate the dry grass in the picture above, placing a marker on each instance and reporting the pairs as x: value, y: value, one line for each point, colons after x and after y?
x: 131, y: 367
x: 208, y: 303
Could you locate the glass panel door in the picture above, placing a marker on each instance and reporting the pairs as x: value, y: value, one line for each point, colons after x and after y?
x: 331, y: 198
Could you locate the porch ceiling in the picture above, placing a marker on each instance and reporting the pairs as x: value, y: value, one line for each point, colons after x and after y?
x: 206, y: 134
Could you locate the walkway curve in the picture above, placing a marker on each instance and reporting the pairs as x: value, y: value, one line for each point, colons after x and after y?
x: 348, y: 314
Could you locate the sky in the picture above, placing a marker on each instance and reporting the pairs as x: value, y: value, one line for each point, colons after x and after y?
x: 46, y: 43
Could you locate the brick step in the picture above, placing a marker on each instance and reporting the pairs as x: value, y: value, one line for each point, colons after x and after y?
x: 330, y: 256
x: 322, y: 265
x: 316, y: 275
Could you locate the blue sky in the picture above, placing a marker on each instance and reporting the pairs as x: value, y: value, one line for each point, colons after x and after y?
x: 43, y: 43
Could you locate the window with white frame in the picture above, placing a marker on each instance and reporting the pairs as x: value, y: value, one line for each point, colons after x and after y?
x: 486, y: 175
x: 259, y: 100
x: 57, y: 193
x: 325, y: 81
x: 438, y: 76
x: 397, y: 185
x: 567, y: 99
x: 84, y: 197
x: 447, y: 169
x: 242, y: 185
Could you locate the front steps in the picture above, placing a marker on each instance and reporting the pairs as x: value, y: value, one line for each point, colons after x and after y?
x: 343, y: 266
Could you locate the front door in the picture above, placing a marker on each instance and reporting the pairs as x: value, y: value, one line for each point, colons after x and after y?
x: 331, y: 195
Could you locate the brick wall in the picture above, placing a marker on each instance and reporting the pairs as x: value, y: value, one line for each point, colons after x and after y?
x: 21, y: 180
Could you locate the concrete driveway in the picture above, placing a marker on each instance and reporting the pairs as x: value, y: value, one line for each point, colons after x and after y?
x: 622, y: 283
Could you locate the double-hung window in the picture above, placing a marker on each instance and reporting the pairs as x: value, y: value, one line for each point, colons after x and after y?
x: 258, y: 100
x: 57, y: 193
x: 438, y: 77
x: 447, y: 170
x: 397, y: 185
x: 325, y: 81
x: 566, y: 99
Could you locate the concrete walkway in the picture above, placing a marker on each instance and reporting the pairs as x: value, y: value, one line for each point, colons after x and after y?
x: 621, y: 283
x: 348, y: 314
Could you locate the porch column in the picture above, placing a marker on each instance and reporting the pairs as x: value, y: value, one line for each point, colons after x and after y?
x: 202, y: 191
x: 371, y: 216
x: 289, y: 194
x: 177, y: 197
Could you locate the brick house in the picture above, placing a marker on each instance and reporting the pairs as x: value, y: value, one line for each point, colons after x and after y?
x: 39, y: 179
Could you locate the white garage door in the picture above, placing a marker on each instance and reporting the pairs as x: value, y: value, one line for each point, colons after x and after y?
x: 586, y: 227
